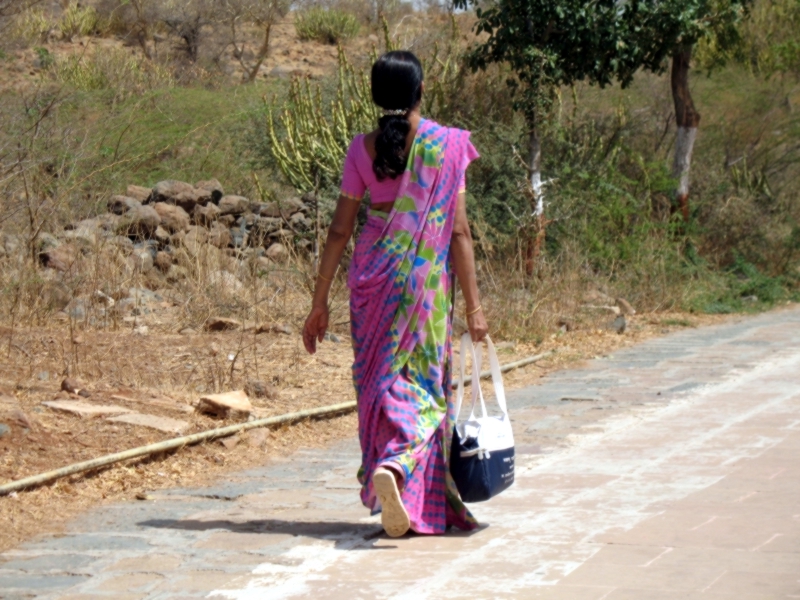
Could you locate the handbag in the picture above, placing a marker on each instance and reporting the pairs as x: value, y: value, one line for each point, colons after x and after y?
x: 482, y: 452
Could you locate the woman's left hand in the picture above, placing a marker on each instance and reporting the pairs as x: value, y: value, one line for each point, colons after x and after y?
x: 478, y: 327
x: 315, y: 327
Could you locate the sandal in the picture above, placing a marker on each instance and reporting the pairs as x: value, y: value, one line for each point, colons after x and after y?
x: 394, y: 517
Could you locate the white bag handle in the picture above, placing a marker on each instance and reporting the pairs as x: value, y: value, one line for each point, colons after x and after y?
x: 497, y: 377
x: 466, y: 346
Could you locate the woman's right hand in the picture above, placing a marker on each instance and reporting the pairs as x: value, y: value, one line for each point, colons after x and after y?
x: 315, y: 327
x: 478, y: 327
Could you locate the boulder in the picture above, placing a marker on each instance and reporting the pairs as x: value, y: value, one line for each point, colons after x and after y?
x: 196, y: 237
x: 299, y: 221
x: 263, y: 264
x: 137, y: 192
x: 277, y: 253
x: 274, y: 328
x: 141, y: 260
x: 169, y: 190
x: 11, y: 245
x: 142, y: 296
x: 46, y: 241
x: 108, y: 223
x: 205, y: 215
x: 246, y: 220
x: 227, y: 220
x: 62, y: 258
x: 119, y: 205
x: 219, y: 236
x: 124, y: 244
x: 221, y: 324
x: 162, y: 236
x: 230, y: 404
x: 141, y: 222
x: 294, y: 204
x: 55, y: 295
x: 173, y: 218
x: 233, y: 205
x: 73, y: 386
x: 239, y: 237
x: 213, y: 187
x: 269, y: 209
x: 262, y: 230
x: 163, y: 261
x: 260, y: 389
x: 85, y: 233
x: 177, y: 273
x: 225, y: 280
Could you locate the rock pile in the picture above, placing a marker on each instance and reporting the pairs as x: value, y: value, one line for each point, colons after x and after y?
x: 152, y: 224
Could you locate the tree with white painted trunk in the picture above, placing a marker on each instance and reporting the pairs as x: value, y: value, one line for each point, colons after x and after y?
x: 547, y: 44
x: 552, y: 43
x: 667, y: 31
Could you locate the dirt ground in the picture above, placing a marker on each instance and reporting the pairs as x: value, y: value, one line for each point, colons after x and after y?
x: 151, y: 375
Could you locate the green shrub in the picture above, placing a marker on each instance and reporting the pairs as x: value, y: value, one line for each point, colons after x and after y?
x: 46, y: 59
x: 326, y: 25
x: 78, y: 20
x: 29, y: 27
x: 114, y: 69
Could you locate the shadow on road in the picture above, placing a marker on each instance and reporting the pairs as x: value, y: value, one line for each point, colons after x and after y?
x: 343, y: 533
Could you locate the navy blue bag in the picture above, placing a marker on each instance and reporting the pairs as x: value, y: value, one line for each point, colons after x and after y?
x: 482, y: 452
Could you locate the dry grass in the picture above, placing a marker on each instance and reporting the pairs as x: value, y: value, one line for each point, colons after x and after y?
x: 163, y: 372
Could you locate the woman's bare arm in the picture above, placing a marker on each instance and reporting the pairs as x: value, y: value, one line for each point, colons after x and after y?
x: 464, y: 265
x: 339, y: 234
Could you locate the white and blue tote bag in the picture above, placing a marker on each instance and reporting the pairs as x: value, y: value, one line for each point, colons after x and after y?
x: 482, y: 454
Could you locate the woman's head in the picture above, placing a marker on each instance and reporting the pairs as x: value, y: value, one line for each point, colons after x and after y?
x: 397, y: 89
x: 397, y: 81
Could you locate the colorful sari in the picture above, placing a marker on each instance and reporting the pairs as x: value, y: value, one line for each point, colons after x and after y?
x: 400, y: 316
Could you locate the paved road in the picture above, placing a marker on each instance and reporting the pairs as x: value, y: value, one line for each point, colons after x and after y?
x: 667, y: 471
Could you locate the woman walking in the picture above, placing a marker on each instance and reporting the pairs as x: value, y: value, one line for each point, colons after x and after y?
x: 399, y: 302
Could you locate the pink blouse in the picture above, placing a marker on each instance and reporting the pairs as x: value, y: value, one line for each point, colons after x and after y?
x: 358, y: 175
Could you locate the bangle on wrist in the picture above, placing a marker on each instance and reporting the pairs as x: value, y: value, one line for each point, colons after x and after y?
x: 472, y: 312
x: 321, y: 276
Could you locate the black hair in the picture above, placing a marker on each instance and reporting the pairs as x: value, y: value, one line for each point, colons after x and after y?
x: 396, y: 86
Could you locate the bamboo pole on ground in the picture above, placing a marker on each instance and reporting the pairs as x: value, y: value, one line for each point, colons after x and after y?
x: 211, y: 434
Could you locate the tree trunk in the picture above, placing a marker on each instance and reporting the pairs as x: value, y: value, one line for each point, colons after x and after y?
x: 536, y: 237
x: 262, y: 54
x: 687, y: 118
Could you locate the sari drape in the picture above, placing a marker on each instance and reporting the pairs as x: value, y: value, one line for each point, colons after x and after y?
x: 400, y: 319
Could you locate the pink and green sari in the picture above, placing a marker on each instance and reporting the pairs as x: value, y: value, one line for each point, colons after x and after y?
x: 400, y: 315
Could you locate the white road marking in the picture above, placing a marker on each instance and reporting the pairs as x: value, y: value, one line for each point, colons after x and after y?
x: 640, y: 460
x: 775, y: 536
x: 708, y: 587
x: 650, y: 562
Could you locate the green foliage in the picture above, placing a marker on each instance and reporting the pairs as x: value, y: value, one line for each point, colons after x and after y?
x: 552, y: 43
x: 746, y: 289
x: 78, y: 20
x: 326, y: 25
x: 312, y: 141
x: 31, y: 26
x: 310, y: 133
x: 46, y: 59
x: 113, y: 69
x: 769, y: 42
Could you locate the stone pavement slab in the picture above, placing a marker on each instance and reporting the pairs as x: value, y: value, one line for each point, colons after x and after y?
x: 667, y: 471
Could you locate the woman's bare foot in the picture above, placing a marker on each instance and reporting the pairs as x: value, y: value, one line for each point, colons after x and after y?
x: 394, y: 517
